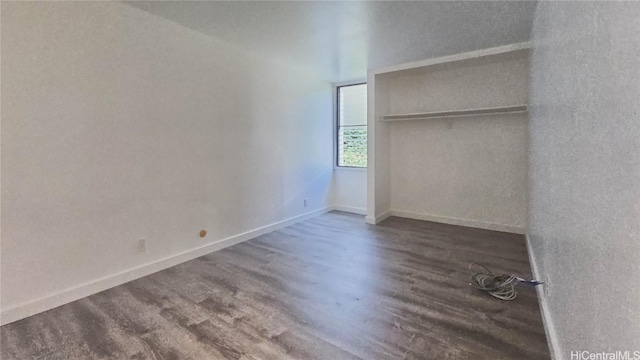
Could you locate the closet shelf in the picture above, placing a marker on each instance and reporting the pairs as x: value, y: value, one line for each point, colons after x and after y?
x: 456, y: 113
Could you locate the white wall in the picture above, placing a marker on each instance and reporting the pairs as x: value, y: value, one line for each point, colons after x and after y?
x: 584, y: 212
x: 469, y: 171
x: 379, y: 170
x: 118, y: 125
x: 350, y: 190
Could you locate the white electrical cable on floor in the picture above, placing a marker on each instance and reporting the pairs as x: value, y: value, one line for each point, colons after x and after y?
x: 502, y: 287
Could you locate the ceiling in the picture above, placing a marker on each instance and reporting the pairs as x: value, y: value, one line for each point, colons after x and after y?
x: 340, y: 41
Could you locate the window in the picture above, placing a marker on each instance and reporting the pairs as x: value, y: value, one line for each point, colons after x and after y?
x: 352, y: 126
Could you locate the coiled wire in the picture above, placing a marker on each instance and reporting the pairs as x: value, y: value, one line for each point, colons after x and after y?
x: 502, y: 287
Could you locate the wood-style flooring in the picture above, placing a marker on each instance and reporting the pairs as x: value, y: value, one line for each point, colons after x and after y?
x: 331, y: 287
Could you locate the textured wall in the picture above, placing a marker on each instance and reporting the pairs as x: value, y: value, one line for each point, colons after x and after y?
x: 585, y: 172
x: 119, y: 125
x: 470, y: 170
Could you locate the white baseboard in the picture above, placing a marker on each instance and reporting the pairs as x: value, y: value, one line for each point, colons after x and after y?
x: 351, y: 209
x: 66, y: 296
x: 378, y: 219
x: 550, y: 331
x: 461, y: 222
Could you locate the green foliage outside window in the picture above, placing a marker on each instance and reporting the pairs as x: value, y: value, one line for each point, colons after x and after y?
x: 353, y: 146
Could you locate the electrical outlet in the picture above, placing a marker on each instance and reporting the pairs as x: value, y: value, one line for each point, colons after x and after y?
x: 306, y: 202
x: 142, y: 245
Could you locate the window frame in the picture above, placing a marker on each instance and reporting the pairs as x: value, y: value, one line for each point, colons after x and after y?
x: 336, y: 134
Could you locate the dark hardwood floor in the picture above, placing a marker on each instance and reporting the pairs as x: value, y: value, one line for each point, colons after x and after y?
x: 328, y: 288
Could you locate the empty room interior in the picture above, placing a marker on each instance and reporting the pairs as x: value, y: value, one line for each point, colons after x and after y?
x: 320, y: 180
